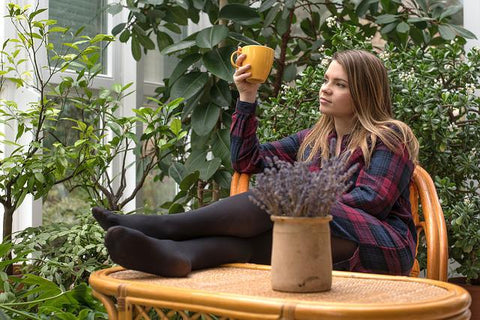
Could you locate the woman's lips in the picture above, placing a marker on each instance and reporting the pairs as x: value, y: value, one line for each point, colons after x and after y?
x: 323, y: 100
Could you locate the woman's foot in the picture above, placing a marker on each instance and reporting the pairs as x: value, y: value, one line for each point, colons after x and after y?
x: 105, y: 218
x: 134, y: 250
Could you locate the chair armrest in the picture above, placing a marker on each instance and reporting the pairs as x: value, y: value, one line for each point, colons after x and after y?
x: 240, y: 182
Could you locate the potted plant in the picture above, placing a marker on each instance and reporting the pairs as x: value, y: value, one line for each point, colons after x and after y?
x: 299, y: 202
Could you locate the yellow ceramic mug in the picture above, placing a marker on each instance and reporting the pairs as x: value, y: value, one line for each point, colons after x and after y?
x: 260, y: 58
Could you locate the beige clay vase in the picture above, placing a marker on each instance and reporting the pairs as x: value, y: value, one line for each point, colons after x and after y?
x: 301, y: 254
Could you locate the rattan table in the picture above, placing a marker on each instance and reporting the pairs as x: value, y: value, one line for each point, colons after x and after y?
x: 242, y: 291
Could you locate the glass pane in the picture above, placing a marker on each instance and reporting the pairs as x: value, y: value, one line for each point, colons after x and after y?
x: 155, y: 193
x: 75, y: 14
x: 62, y: 204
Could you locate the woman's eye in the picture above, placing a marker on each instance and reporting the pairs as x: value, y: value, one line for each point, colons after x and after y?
x: 341, y: 85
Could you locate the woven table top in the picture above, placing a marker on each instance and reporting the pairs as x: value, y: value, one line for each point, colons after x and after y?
x: 254, y: 282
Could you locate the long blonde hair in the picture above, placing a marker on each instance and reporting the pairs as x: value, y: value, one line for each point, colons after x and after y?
x: 370, y: 91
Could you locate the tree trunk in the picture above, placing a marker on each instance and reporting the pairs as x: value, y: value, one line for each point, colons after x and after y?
x: 7, y: 232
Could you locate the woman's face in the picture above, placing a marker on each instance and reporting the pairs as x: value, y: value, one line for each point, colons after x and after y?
x: 335, y: 97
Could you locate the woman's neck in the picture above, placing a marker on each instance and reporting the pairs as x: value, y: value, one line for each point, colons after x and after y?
x: 343, y: 127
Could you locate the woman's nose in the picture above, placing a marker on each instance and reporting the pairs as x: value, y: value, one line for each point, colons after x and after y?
x: 325, y: 89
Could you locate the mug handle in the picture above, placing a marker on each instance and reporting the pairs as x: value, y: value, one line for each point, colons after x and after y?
x: 236, y: 52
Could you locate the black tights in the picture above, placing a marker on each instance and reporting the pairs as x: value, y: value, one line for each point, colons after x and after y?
x: 230, y: 230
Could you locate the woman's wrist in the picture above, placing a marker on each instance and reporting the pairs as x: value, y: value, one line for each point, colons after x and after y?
x: 250, y: 98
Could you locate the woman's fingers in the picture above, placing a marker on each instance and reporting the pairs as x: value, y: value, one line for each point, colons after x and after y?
x: 240, y: 59
x: 242, y: 70
x: 241, y: 77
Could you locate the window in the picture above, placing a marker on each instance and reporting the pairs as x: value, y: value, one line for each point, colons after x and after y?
x: 74, y: 14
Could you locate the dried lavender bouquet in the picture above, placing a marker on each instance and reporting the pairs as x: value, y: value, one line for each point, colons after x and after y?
x: 286, y: 189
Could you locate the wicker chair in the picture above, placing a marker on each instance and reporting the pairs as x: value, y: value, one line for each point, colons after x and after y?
x: 422, y: 193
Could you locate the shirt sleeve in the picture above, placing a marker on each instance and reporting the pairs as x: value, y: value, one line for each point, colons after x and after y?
x: 247, y: 154
x: 378, y: 187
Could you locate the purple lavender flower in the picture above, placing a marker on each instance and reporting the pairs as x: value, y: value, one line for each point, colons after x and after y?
x: 286, y: 189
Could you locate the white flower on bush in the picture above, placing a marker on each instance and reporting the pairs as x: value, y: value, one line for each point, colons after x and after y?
x: 331, y: 21
x: 437, y: 83
x: 407, y: 76
x: 448, y: 67
x: 325, y: 62
x: 322, y: 48
x: 456, y: 112
x: 470, y: 88
x: 452, y: 127
x: 384, y: 55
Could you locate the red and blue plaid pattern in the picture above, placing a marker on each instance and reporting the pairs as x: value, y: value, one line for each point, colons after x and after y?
x: 375, y: 212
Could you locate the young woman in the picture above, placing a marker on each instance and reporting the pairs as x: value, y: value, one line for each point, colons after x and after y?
x: 372, y: 227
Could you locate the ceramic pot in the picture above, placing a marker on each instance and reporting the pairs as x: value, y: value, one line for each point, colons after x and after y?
x: 301, y: 254
x: 474, y: 291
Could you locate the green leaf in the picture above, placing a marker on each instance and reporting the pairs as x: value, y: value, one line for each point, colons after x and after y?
x: 209, y: 169
x: 163, y: 40
x: 136, y: 50
x: 388, y: 28
x: 240, y: 14
x: 189, y: 180
x: 271, y: 15
x: 204, y: 119
x: 146, y: 42
x: 242, y: 39
x: 176, y: 126
x: 114, y: 8
x: 195, y: 161
x: 290, y: 73
x: 403, y: 27
x: 446, y: 31
x: 450, y: 11
x: 118, y: 28
x: 124, y: 36
x: 266, y: 4
x: 176, y: 208
x: 223, y: 178
x: 199, y: 143
x: 183, y: 66
x: 386, y: 18
x: 209, y: 37
x: 221, y: 145
x: 218, y: 63
x: 182, y: 45
x: 188, y: 85
x: 220, y: 94
x: 463, y: 32
x: 363, y: 6
x: 176, y: 172
x: 422, y: 5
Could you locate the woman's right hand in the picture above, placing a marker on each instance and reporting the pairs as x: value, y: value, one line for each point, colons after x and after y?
x: 247, y: 90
